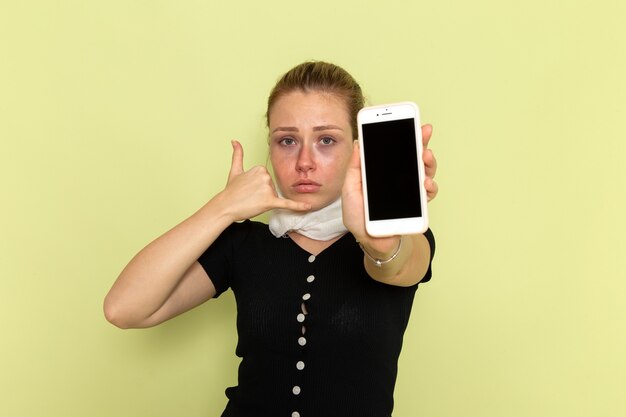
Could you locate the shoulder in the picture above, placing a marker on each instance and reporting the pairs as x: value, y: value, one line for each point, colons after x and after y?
x: 237, y: 236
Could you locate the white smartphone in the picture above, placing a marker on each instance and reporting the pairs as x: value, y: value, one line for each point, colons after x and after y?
x: 392, y: 170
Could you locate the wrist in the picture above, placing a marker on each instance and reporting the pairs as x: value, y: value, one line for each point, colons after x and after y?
x: 380, y: 258
x: 219, y: 209
x: 380, y: 247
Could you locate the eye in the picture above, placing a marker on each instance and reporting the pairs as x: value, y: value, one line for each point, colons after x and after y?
x: 327, y: 140
x: 287, y: 141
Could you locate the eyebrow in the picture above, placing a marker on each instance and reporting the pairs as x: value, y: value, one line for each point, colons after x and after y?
x: 315, y: 129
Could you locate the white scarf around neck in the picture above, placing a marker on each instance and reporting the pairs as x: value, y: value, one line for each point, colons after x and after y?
x: 323, y: 224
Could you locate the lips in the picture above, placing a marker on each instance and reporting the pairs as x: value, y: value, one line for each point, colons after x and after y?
x: 306, y: 186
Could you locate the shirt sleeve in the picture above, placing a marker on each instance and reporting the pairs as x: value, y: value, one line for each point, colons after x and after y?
x: 218, y: 259
x: 431, y: 241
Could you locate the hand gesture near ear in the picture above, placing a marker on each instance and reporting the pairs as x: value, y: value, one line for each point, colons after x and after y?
x: 250, y: 193
x: 165, y: 279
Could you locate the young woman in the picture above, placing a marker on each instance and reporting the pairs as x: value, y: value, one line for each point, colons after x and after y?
x: 320, y: 324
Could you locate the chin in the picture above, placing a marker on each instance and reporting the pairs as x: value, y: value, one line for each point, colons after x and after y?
x: 316, y: 203
x: 316, y: 200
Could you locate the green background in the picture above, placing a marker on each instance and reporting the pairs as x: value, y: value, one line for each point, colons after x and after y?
x: 115, y: 124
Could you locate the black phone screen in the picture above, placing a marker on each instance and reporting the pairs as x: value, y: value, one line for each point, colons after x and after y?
x: 393, y: 182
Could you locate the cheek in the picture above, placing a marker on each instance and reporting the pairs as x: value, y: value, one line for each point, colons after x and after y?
x: 280, y: 168
x: 336, y: 160
x: 333, y: 170
x: 275, y: 159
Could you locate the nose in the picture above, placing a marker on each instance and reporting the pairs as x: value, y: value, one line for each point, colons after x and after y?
x: 306, y: 161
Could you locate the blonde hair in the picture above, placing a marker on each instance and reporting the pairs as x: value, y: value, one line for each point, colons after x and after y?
x: 324, y: 77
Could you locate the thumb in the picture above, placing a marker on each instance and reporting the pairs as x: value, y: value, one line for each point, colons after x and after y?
x: 353, y: 183
x: 236, y: 166
x: 354, y: 166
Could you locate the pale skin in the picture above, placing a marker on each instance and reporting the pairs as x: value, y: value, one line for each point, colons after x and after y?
x: 315, y: 161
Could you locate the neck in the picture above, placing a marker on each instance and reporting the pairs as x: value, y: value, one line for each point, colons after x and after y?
x: 314, y: 247
x: 323, y: 224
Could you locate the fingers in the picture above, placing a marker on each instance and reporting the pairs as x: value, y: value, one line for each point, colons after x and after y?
x: 427, y: 132
x: 432, y: 188
x: 283, y: 203
x: 236, y: 166
x: 430, y: 163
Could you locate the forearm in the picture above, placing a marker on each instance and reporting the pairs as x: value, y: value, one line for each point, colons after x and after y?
x: 407, y: 268
x: 153, y: 274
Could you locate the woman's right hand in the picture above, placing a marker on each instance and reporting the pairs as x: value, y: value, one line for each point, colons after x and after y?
x: 165, y: 279
x: 251, y: 193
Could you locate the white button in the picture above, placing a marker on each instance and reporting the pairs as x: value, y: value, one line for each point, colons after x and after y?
x: 311, y: 258
x: 300, y: 365
x: 306, y: 296
x: 295, y: 414
x: 310, y: 278
x: 302, y: 341
x: 296, y: 390
x: 300, y: 318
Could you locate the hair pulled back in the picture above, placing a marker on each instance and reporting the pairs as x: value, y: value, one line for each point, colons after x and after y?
x: 324, y: 77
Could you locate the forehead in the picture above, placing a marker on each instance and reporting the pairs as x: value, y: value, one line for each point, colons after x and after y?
x: 308, y: 108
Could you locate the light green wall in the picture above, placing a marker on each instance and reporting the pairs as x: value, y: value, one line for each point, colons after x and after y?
x: 115, y: 121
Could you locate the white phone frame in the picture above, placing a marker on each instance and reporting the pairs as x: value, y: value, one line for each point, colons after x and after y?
x: 400, y: 226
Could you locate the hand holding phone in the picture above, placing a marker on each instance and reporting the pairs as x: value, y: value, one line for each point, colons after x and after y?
x: 392, y: 170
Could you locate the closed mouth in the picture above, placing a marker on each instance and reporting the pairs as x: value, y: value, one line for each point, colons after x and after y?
x: 306, y: 186
x: 305, y: 182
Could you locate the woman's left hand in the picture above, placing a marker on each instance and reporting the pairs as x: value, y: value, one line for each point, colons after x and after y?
x: 352, y: 196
